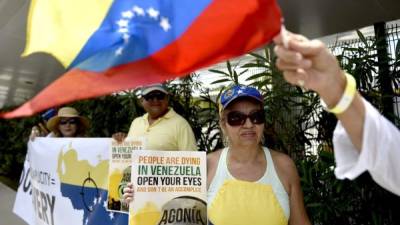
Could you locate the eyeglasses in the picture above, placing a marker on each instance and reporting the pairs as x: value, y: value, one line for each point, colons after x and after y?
x: 70, y: 121
x: 156, y: 95
x: 236, y: 118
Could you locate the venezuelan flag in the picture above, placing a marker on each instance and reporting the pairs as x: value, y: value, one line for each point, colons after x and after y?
x: 113, y: 45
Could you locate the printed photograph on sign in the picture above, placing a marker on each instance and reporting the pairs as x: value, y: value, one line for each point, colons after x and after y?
x: 170, y: 188
x: 119, y: 173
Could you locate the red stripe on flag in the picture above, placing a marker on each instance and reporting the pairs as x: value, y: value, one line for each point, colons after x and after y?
x: 77, y: 84
x: 227, y: 28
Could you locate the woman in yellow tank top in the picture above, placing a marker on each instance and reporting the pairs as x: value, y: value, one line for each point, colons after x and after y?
x: 249, y: 184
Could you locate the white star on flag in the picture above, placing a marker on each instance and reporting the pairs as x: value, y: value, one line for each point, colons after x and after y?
x: 119, y: 51
x: 111, y: 215
x: 164, y: 23
x: 240, y: 91
x: 94, y: 201
x: 126, y: 19
x: 125, y: 36
x: 127, y: 14
x: 123, y: 30
x: 153, y: 13
x: 105, y: 204
x: 138, y: 10
x: 123, y: 23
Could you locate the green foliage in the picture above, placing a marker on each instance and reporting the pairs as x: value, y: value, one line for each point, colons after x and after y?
x: 201, y: 112
x: 332, y: 201
x: 361, y: 61
x: 110, y: 114
x: 231, y: 76
x: 13, y: 137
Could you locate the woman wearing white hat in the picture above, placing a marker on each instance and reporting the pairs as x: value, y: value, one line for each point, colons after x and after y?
x: 68, y: 123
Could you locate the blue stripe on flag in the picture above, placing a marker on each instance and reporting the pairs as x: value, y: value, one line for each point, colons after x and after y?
x: 133, y: 30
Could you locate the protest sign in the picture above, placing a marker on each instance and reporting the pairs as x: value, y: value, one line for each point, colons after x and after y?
x: 64, y: 181
x: 119, y: 173
x: 170, y: 188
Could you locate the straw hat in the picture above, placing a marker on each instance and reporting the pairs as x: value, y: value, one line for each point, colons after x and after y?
x: 66, y: 112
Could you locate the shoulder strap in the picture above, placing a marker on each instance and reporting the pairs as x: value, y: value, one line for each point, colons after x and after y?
x: 219, y: 177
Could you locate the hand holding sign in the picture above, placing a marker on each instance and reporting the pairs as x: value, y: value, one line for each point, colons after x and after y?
x: 128, y: 193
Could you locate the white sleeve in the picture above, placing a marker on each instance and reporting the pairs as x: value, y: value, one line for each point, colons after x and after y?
x: 380, y: 153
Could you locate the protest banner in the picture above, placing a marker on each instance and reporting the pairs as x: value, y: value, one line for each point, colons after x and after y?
x: 64, y: 181
x: 119, y: 173
x: 170, y: 188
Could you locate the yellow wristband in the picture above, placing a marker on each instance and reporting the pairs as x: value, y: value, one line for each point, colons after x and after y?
x: 347, y: 97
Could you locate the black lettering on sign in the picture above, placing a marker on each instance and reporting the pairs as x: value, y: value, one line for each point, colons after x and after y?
x: 182, y: 216
x: 43, y: 204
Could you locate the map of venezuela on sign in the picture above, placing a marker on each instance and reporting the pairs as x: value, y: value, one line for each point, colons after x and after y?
x: 70, y: 183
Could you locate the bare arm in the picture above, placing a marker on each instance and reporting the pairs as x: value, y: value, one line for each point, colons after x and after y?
x: 212, y: 163
x: 298, y: 214
x: 287, y: 173
x: 374, y: 140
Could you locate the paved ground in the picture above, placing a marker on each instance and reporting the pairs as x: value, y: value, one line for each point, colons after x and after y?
x: 7, y: 197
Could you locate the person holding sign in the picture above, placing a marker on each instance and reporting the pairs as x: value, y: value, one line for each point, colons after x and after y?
x: 67, y: 123
x: 249, y: 183
x: 162, y: 127
x: 363, y: 140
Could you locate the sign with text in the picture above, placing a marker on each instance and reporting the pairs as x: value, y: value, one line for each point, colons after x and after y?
x: 65, y: 181
x: 119, y: 173
x: 169, y: 188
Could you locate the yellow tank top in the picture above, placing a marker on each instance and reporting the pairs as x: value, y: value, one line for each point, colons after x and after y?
x: 236, y: 202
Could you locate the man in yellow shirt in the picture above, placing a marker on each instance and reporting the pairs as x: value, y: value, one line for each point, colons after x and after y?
x: 161, y: 126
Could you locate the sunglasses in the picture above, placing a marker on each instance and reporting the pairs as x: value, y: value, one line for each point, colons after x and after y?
x: 70, y: 121
x: 157, y: 95
x: 236, y: 118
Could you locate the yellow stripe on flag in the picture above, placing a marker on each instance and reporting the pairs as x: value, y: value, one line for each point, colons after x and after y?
x: 62, y: 27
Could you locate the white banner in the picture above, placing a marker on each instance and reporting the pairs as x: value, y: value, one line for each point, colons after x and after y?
x: 64, y: 181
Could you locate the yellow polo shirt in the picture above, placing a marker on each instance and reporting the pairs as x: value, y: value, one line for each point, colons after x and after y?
x: 170, y: 132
